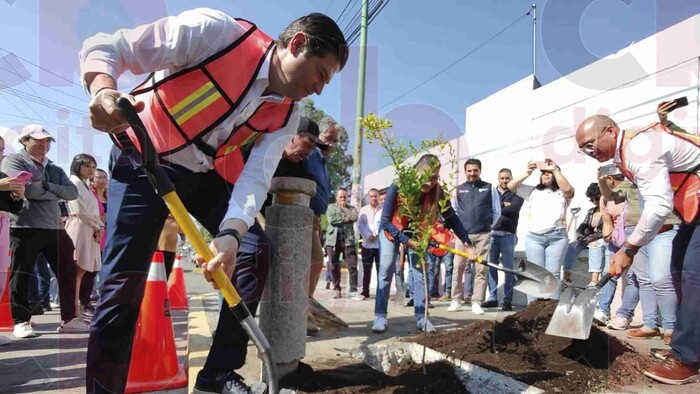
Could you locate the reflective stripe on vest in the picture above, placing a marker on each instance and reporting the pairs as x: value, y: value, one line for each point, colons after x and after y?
x: 187, y: 105
x: 401, y: 222
x: 685, y: 185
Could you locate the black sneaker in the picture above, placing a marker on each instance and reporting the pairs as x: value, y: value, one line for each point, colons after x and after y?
x: 489, y: 304
x: 410, y: 302
x: 46, y: 306
x: 507, y: 307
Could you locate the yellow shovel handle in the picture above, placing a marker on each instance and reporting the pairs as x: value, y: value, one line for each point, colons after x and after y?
x: 459, y: 252
x: 185, y: 222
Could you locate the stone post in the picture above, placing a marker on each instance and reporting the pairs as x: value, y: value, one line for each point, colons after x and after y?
x: 288, y: 224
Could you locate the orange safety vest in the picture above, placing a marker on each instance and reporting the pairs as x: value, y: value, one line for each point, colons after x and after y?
x: 401, y: 222
x: 442, y: 237
x: 188, y: 104
x: 685, y: 185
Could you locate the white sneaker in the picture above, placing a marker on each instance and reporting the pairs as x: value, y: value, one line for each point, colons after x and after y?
x: 619, y: 323
x: 5, y: 341
x: 476, y: 308
x: 427, y: 327
x: 379, y: 325
x: 454, y: 306
x: 73, y: 326
x: 601, y: 318
x: 54, y: 305
x: 24, y: 330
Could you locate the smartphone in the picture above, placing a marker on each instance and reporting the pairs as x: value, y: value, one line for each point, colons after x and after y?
x: 541, y: 164
x: 24, y: 177
x: 679, y: 102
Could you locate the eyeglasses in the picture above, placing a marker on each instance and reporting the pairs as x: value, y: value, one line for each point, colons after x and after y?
x: 590, y: 147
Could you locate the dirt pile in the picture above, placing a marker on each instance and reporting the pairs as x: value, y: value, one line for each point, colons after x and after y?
x: 518, y: 347
x: 356, y: 377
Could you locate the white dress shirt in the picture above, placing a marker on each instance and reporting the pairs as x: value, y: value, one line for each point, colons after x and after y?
x: 174, y: 43
x: 650, y: 156
x: 368, y: 223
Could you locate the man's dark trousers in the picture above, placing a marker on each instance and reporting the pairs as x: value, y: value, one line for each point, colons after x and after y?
x: 135, y: 219
x: 685, y: 341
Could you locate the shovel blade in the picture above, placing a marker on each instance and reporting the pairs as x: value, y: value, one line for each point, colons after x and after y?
x: 534, y: 280
x: 574, y: 314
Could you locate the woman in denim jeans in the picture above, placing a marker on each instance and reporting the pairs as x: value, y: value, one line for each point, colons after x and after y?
x: 546, y: 241
x: 393, y: 226
x: 589, y: 236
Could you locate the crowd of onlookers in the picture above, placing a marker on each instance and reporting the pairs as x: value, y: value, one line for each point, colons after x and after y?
x: 53, y: 224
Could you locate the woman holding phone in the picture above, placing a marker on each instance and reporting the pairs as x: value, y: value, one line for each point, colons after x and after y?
x: 11, y: 201
x: 546, y: 241
x: 84, y: 226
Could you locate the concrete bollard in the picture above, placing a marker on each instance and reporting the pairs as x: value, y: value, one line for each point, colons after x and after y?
x: 288, y: 224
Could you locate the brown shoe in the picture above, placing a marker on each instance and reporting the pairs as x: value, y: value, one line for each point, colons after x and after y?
x: 667, y: 338
x: 641, y: 333
x: 672, y: 371
x: 444, y: 297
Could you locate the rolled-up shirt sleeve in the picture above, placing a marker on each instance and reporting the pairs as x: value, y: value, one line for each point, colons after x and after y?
x: 168, y: 43
x: 654, y: 185
x: 250, y: 191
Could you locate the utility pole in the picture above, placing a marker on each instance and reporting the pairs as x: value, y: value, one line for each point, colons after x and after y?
x: 357, y: 162
x: 534, y: 39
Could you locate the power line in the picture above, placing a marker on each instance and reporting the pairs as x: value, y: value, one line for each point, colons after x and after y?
x: 44, y: 102
x: 456, y: 61
x: 39, y: 121
x: 373, y: 12
x: 82, y: 99
x: 41, y: 68
x: 340, y: 17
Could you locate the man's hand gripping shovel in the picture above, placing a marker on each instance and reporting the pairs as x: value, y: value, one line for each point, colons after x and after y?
x: 166, y: 190
x: 530, y: 278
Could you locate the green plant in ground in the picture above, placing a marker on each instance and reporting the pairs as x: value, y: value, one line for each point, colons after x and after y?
x: 410, y: 180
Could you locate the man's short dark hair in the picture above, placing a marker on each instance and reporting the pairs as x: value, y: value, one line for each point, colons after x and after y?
x: 429, y: 159
x: 341, y: 189
x: 593, y: 191
x: 323, y: 36
x: 506, y: 170
x: 474, y: 162
x: 372, y: 190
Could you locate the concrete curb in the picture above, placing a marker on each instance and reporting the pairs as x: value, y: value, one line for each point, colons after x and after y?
x: 476, y: 379
x: 199, y: 337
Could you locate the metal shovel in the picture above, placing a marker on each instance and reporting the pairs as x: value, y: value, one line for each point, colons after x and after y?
x: 531, y: 279
x: 574, y: 314
x: 166, y: 190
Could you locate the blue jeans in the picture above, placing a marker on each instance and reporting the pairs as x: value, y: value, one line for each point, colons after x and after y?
x: 630, y: 293
x: 134, y: 222
x: 548, y: 251
x: 596, y: 256
x: 417, y: 287
x: 501, y: 246
x: 685, y: 342
x: 39, y: 284
x: 388, y: 256
x: 448, y: 260
x: 656, y: 287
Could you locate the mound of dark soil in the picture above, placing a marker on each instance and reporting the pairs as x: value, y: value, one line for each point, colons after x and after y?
x: 518, y: 347
x: 360, y: 378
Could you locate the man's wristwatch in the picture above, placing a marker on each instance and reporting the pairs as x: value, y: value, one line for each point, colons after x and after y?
x: 630, y: 252
x: 232, y: 232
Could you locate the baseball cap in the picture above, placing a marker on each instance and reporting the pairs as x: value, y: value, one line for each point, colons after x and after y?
x: 35, y: 131
x: 309, y: 128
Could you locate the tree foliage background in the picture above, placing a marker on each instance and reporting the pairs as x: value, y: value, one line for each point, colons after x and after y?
x: 340, y: 162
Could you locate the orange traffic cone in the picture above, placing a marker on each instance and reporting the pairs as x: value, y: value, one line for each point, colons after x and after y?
x: 153, y: 359
x: 6, y: 322
x: 177, y: 294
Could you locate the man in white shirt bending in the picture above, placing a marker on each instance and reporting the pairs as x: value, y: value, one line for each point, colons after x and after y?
x: 664, y: 165
x: 220, y: 106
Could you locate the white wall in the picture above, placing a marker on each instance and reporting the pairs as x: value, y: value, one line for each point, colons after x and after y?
x: 518, y: 124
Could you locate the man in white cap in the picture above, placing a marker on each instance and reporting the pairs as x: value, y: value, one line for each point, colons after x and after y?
x: 38, y: 229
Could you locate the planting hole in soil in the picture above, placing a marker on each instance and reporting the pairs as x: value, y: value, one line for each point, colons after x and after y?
x: 353, y: 377
x: 519, y: 348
